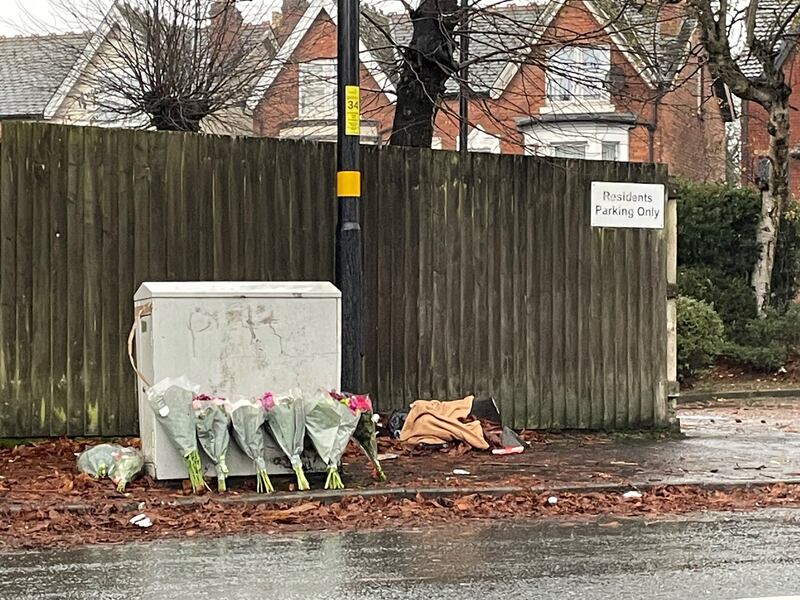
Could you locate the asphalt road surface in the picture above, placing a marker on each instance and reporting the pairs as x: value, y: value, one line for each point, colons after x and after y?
x: 721, y: 556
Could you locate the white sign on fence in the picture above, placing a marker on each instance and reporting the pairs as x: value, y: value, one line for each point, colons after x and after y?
x: 637, y: 205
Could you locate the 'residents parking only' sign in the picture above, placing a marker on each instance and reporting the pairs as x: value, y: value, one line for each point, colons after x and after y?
x: 635, y: 205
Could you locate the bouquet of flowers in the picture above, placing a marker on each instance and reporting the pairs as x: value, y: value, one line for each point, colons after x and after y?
x: 127, y: 464
x: 97, y: 460
x: 287, y: 422
x: 212, y: 421
x: 329, y: 424
x: 364, y: 434
x: 116, y: 462
x: 247, y: 417
x: 171, y: 401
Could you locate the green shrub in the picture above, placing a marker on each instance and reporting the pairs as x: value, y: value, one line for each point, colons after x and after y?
x: 700, y: 336
x: 766, y: 343
x: 731, y: 297
x: 717, y: 227
x: 786, y: 271
x: 761, y: 358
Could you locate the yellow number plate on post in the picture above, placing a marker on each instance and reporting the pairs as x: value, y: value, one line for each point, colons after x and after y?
x: 352, y: 110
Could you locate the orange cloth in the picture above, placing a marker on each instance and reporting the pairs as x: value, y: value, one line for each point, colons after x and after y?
x: 435, y: 422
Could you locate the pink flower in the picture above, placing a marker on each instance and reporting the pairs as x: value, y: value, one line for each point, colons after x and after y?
x: 197, y: 404
x: 268, y: 401
x: 361, y: 402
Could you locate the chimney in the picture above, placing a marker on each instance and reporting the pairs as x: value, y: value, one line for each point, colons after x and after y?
x: 291, y: 13
x: 671, y: 18
x: 226, y: 24
x: 293, y: 8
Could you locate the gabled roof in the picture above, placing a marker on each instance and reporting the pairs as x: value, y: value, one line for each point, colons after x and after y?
x: 31, y: 70
x: 771, y: 24
x: 634, y: 28
x: 502, y: 35
x: 287, y: 50
x: 258, y: 35
x: 498, y: 36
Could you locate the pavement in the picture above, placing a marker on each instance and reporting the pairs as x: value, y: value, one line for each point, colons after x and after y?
x: 710, y: 556
x: 723, y: 443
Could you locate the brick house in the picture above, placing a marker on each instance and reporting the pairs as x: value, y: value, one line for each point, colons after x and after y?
x: 296, y: 97
x: 54, y: 77
x: 754, y: 119
x: 588, y: 86
x: 572, y: 78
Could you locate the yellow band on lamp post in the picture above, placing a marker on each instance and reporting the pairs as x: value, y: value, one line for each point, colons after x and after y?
x: 348, y: 184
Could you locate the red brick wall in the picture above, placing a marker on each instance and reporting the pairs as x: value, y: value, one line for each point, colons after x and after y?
x: 280, y: 102
x: 691, y: 134
x: 691, y: 143
x: 755, y: 139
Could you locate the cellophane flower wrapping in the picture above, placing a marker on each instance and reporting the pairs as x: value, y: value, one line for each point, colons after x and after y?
x: 365, y: 434
x: 128, y: 463
x: 247, y: 418
x: 286, y: 421
x: 98, y: 460
x: 171, y: 401
x: 212, y: 423
x: 329, y: 425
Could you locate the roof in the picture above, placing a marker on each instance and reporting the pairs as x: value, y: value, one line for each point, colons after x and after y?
x: 501, y: 36
x: 288, y: 48
x: 497, y: 35
x: 31, y: 70
x: 259, y: 44
x: 771, y: 25
x: 650, y: 33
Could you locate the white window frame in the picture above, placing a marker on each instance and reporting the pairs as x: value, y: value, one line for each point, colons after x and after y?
x: 609, y: 143
x: 587, y: 91
x: 540, y: 138
x: 581, y: 145
x: 319, y: 73
x: 478, y: 140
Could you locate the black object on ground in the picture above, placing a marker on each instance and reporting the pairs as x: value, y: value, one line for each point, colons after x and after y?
x: 484, y: 407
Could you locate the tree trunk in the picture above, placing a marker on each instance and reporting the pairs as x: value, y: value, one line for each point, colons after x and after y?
x: 773, y: 201
x: 427, y: 65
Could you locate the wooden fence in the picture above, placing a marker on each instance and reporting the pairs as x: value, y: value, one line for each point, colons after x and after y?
x: 482, y: 277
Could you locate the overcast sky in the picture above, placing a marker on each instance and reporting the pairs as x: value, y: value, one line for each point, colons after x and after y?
x: 31, y: 16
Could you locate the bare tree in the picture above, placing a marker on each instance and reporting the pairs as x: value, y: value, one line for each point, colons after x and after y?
x: 769, y: 33
x: 427, y: 63
x: 168, y: 64
x: 504, y: 33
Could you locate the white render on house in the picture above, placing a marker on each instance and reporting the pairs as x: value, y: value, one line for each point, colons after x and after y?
x: 592, y: 141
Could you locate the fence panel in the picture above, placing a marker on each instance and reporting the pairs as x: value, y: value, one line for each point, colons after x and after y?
x: 483, y: 276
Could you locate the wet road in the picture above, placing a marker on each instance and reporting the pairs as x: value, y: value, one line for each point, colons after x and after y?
x: 719, y: 557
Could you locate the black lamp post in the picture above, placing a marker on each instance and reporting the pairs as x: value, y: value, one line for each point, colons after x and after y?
x: 349, y: 270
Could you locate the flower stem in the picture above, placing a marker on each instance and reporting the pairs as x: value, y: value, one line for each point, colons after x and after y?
x: 193, y: 466
x: 263, y: 483
x: 302, y: 482
x: 334, y: 481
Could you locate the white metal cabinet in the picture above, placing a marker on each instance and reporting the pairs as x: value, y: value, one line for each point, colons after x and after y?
x: 234, y: 338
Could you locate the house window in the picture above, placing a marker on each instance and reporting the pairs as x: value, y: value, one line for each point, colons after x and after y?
x: 569, y: 150
x: 577, y: 73
x: 610, y: 150
x: 317, y: 95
